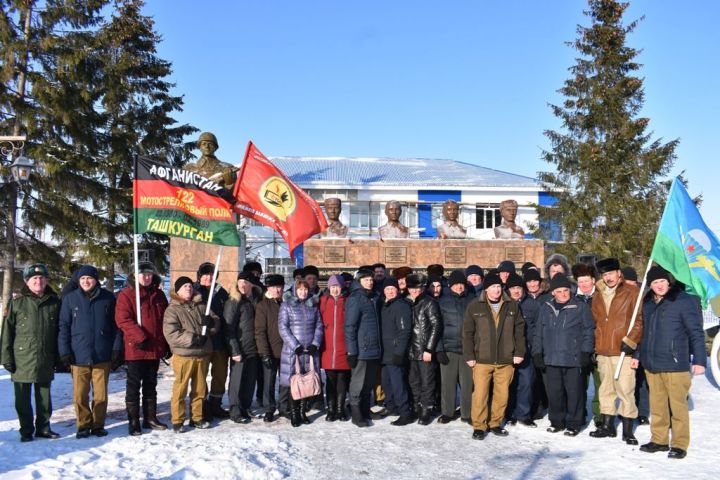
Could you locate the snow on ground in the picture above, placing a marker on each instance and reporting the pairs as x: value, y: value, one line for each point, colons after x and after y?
x: 339, y: 450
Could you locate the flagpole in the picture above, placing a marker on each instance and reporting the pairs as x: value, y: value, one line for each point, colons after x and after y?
x: 212, y: 287
x: 634, y: 315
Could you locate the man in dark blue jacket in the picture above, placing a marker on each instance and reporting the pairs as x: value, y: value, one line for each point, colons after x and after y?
x: 563, y: 343
x: 453, y: 369
x: 362, y: 338
x: 673, y: 344
x: 90, y: 344
x: 396, y: 317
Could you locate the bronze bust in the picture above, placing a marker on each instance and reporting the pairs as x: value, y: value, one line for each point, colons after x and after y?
x: 209, y: 166
x: 336, y: 229
x: 508, y: 229
x: 393, y: 228
x: 451, y: 228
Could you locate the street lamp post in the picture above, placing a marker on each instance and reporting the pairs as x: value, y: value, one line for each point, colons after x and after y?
x: 13, y: 173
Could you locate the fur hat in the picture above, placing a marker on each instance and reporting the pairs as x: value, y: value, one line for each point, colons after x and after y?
x: 559, y: 281
x: 607, y: 265
x: 556, y: 259
x: 629, y: 273
x: 514, y: 280
x: 245, y: 276
x: 416, y: 280
x: 347, y: 277
x: 583, y: 270
x: 206, y: 268
x: 474, y: 270
x: 401, y: 272
x: 435, y: 269
x: 274, y: 280
x: 492, y: 279
x: 253, y: 267
x: 390, y: 282
x: 311, y: 270
x: 528, y: 266
x: 456, y: 276
x: 363, y: 273
x: 147, y: 267
x: 531, y: 274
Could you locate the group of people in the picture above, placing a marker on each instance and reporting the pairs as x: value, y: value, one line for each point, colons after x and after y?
x: 513, y: 343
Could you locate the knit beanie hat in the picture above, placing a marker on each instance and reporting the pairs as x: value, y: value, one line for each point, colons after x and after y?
x: 182, y: 281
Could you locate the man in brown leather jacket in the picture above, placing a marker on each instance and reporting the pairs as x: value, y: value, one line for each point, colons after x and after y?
x: 612, y: 307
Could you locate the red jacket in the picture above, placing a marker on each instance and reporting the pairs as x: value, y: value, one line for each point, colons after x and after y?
x: 152, y: 308
x: 333, y: 350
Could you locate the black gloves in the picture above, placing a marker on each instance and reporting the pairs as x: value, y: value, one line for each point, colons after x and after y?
x: 398, y: 360
x: 207, y: 321
x: 299, y: 350
x: 585, y: 359
x: 539, y: 361
x: 144, y: 345
x: 10, y: 367
x: 268, y: 362
x: 352, y: 360
x: 167, y: 355
x: 312, y: 349
x: 67, y: 360
x: 116, y: 359
x: 627, y: 349
x: 442, y: 358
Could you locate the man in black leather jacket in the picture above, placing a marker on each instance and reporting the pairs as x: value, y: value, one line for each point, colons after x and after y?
x: 426, y: 331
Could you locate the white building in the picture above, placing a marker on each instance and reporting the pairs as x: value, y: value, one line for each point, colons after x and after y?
x: 421, y: 185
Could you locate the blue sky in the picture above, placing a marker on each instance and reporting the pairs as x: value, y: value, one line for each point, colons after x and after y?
x: 465, y: 80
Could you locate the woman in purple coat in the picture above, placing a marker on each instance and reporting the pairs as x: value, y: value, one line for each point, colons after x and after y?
x: 301, y: 329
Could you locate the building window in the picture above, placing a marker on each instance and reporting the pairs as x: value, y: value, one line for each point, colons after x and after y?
x: 487, y: 216
x: 364, y: 215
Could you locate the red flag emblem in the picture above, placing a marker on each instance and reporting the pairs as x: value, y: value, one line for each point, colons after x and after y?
x: 265, y: 194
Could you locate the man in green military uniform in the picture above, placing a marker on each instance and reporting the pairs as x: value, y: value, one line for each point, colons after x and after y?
x: 209, y: 165
x: 29, y: 350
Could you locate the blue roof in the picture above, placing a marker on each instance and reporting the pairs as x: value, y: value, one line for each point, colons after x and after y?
x: 355, y: 171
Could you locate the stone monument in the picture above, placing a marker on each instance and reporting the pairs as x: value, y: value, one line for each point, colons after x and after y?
x: 508, y: 230
x: 451, y: 228
x: 336, y: 229
x: 393, y: 228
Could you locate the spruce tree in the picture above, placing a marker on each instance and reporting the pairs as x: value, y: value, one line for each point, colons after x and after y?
x: 609, y: 178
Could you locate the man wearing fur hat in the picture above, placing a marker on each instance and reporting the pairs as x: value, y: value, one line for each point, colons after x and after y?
x: 401, y: 274
x: 269, y: 345
x: 475, y: 277
x: 219, y: 356
x: 673, y: 344
x: 187, y: 330
x: 29, y: 351
x: 493, y: 341
x: 612, y: 308
x: 426, y: 330
x: 144, y: 345
x: 90, y: 345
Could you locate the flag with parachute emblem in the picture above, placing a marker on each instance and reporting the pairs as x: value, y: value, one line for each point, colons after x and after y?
x: 687, y: 248
x: 265, y: 194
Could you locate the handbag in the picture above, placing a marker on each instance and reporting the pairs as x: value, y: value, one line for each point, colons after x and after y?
x: 304, y: 385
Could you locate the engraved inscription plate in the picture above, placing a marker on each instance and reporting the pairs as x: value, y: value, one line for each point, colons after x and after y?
x: 334, y: 254
x: 515, y: 254
x: 396, y: 254
x: 456, y: 255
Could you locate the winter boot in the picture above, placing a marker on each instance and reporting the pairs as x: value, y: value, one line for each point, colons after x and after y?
x: 207, y: 411
x: 133, y: 411
x: 216, y: 409
x: 303, y: 409
x: 627, y: 434
x: 341, y: 410
x: 295, y: 419
x: 365, y: 409
x: 424, y: 416
x: 607, y: 429
x: 150, y: 419
x: 332, y: 413
x: 357, y: 416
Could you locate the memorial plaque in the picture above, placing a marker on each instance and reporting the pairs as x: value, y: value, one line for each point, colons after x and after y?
x: 456, y: 255
x: 395, y: 254
x: 515, y: 254
x: 334, y: 254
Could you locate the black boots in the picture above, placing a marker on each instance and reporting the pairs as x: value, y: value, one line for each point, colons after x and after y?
x: 424, y: 416
x: 627, y: 434
x: 215, y: 407
x: 607, y: 429
x: 150, y: 419
x: 357, y: 416
x: 304, y: 406
x: 295, y: 419
x: 331, y: 411
x: 341, y: 412
x: 133, y: 411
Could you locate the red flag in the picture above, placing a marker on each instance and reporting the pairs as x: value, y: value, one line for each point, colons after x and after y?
x: 265, y: 194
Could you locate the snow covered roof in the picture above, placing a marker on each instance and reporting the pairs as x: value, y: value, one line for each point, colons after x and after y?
x: 310, y: 172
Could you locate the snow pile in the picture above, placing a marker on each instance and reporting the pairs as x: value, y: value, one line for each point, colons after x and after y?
x: 338, y: 450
